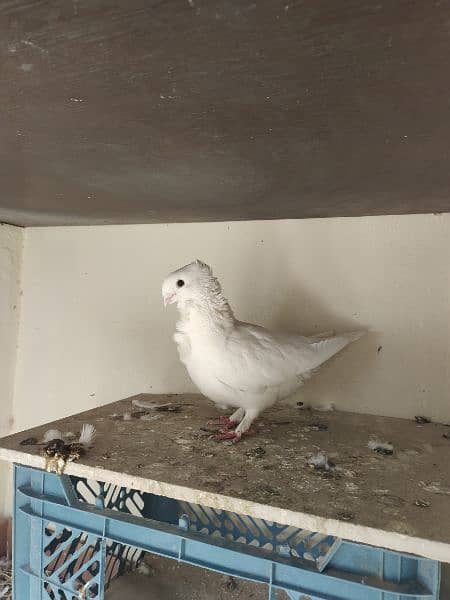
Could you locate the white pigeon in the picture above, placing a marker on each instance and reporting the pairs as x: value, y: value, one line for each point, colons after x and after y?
x: 237, y: 364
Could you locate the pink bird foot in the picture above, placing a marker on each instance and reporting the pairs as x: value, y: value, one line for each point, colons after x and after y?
x: 228, y: 434
x: 232, y: 434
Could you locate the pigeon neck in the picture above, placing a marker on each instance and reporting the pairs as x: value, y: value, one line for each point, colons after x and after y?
x: 209, y: 307
x: 214, y: 311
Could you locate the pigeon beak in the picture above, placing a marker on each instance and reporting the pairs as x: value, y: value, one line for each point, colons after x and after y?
x: 169, y: 299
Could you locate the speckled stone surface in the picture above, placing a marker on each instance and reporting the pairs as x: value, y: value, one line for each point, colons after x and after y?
x: 400, y: 501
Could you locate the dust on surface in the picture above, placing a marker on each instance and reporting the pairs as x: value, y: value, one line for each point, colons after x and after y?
x: 405, y: 492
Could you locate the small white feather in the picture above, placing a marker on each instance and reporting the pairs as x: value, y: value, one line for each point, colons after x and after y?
x: 144, y: 404
x: 150, y: 417
x: 325, y: 407
x: 144, y: 569
x: 51, y: 434
x: 320, y: 461
x: 87, y: 435
x: 381, y: 447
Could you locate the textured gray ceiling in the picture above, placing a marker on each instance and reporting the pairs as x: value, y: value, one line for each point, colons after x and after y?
x: 193, y: 110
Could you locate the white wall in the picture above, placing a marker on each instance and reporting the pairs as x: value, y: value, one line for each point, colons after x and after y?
x: 94, y: 328
x: 11, y: 241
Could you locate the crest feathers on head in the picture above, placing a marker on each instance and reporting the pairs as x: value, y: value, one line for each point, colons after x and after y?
x: 203, y: 266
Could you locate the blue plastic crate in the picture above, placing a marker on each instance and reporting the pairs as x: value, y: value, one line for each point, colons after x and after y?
x: 72, y: 537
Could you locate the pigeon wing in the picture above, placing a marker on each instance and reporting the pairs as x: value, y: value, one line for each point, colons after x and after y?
x: 253, y: 359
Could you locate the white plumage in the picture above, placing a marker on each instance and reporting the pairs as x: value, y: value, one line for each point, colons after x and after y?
x: 87, y: 435
x: 238, y: 364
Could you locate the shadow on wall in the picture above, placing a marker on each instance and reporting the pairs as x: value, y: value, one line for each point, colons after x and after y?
x: 271, y: 294
x: 304, y: 313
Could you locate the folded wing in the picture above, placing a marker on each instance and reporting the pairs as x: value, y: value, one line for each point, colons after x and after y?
x: 253, y: 359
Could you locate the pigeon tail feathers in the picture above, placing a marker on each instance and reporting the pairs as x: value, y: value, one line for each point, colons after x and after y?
x: 327, y: 347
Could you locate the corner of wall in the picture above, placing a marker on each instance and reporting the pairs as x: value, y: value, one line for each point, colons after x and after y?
x: 11, y: 262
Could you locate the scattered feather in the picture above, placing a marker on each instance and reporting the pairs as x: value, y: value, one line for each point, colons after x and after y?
x: 345, y: 516
x: 422, y: 503
x: 114, y: 416
x: 70, y: 435
x: 325, y: 407
x: 321, y: 462
x: 87, y: 435
x: 144, y: 569
x: 146, y: 405
x: 380, y: 447
x: 435, y: 487
x: 127, y: 416
x: 147, y: 417
x: 51, y: 434
x: 421, y: 420
x: 170, y: 408
x: 318, y: 426
x: 137, y: 414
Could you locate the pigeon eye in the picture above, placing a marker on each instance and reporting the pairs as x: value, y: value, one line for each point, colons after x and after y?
x: 180, y: 283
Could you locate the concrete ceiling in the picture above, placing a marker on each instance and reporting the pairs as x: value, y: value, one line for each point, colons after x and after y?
x: 190, y: 110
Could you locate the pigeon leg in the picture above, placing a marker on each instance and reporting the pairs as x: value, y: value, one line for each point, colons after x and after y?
x: 231, y: 421
x: 243, y: 427
x: 237, y: 416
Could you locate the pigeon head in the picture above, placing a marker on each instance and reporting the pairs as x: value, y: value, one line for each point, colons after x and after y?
x: 187, y: 283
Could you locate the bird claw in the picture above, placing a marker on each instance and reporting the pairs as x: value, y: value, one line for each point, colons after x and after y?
x: 232, y: 434
x: 228, y: 434
x: 223, y: 421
